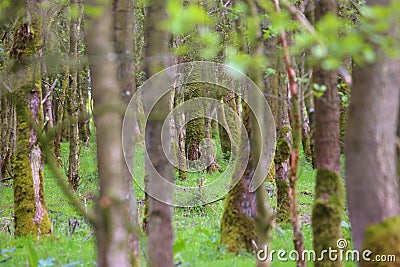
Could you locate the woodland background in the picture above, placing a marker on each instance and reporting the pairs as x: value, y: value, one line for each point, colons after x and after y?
x: 329, y: 70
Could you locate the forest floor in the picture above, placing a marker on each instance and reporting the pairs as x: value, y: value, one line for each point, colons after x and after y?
x: 197, y: 230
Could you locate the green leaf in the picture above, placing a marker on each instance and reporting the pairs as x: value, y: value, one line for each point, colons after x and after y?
x: 33, y: 257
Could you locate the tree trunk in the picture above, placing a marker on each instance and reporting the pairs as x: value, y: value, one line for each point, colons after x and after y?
x: 370, y: 149
x: 73, y: 107
x: 123, y: 43
x: 329, y: 200
x: 160, y: 241
x: 238, y: 230
x: 112, y: 213
x: 30, y: 213
x: 7, y: 133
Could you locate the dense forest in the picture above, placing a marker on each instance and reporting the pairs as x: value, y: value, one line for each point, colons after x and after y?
x: 200, y: 133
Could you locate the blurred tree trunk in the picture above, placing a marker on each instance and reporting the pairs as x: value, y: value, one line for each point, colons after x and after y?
x: 370, y: 149
x: 329, y: 198
x: 159, y: 214
x: 123, y: 43
x: 60, y: 105
x: 278, y: 101
x: 74, y: 103
x: 112, y: 212
x: 83, y: 114
x: 30, y: 212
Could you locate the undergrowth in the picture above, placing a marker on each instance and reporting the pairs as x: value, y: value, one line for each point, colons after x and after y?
x: 197, y: 234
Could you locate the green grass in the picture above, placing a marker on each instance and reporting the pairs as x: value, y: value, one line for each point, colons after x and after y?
x: 197, y: 233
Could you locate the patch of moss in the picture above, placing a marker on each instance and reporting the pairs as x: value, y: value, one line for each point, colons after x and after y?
x: 283, y: 202
x: 327, y: 214
x: 383, y: 239
x: 271, y: 173
x: 283, y: 148
x: 237, y: 228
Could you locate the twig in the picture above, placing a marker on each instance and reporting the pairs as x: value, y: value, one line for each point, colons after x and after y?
x: 5, y: 85
x: 50, y: 91
x: 299, y: 17
x: 6, y: 179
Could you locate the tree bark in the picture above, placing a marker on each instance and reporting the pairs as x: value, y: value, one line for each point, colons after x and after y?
x: 123, y: 43
x: 73, y: 107
x: 329, y: 199
x: 30, y: 213
x: 112, y: 213
x: 160, y: 241
x: 371, y: 177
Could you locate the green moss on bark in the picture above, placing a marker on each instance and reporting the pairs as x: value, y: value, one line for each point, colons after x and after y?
x: 271, y: 173
x: 195, y: 132
x: 383, y: 239
x: 327, y: 214
x: 30, y: 213
x: 282, y: 146
x: 282, y: 154
x: 237, y: 229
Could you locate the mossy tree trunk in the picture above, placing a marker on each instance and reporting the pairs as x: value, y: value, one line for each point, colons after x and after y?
x: 329, y: 200
x: 229, y: 100
x: 295, y: 119
x: 238, y: 218
x: 179, y: 121
x: 30, y: 212
x: 246, y: 218
x: 195, y: 129
x: 370, y: 149
x: 74, y: 103
x: 124, y: 43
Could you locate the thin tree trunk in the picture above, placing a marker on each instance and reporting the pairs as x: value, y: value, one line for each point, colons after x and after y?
x: 329, y: 198
x: 295, y: 116
x: 7, y: 134
x: 123, y: 33
x: 160, y: 241
x: 112, y: 213
x: 73, y: 107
